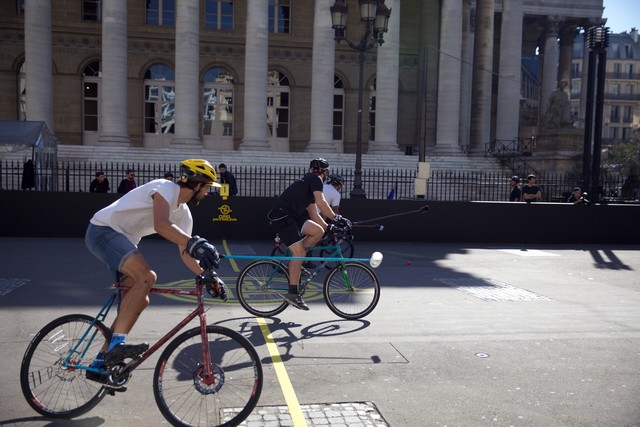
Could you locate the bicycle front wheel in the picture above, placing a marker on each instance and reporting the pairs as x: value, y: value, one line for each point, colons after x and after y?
x: 49, y: 380
x: 184, y: 393
x: 261, y: 287
x: 351, y: 290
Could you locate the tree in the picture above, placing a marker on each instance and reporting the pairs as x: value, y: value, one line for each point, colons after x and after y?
x: 624, y: 157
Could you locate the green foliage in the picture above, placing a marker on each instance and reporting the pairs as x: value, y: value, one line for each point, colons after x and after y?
x: 624, y: 156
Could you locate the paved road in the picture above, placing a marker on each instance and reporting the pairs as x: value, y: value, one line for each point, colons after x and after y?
x: 465, y: 335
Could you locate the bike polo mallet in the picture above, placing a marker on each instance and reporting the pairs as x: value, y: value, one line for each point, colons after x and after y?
x: 374, y: 261
x: 423, y: 209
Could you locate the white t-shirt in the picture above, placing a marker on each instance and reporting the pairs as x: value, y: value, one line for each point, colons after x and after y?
x: 132, y: 214
x: 331, y: 195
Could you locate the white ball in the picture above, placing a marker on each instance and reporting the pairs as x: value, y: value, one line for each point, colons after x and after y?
x: 376, y: 259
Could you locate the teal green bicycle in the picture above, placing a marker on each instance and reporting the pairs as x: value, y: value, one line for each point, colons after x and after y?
x: 351, y: 288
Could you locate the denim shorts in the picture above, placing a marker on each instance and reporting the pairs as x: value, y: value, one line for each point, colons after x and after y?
x: 110, y: 247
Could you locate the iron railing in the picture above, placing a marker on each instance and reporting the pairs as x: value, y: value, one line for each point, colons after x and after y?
x: 267, y: 181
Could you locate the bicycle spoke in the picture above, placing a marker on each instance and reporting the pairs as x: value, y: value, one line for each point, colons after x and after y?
x: 352, y: 290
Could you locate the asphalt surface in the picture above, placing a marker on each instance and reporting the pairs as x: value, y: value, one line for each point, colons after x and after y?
x: 464, y: 335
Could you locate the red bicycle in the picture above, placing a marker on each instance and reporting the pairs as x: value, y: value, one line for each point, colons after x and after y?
x: 207, y: 376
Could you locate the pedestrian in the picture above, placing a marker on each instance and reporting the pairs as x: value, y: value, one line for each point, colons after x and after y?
x: 168, y: 175
x: 516, y: 193
x: 530, y: 191
x: 577, y: 197
x: 128, y: 183
x: 100, y: 184
x: 115, y: 231
x: 226, y: 177
x: 303, y: 195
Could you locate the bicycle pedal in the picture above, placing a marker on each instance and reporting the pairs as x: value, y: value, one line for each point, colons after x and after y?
x: 112, y: 389
x: 124, y: 351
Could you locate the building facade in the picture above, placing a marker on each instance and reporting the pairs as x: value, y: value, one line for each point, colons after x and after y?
x: 621, y: 110
x: 267, y: 75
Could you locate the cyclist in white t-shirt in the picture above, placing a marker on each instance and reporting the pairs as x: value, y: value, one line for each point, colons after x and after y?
x: 159, y: 206
x: 331, y: 190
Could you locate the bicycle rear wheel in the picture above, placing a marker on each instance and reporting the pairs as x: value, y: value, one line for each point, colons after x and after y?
x: 185, y: 396
x: 351, y: 290
x: 261, y: 287
x: 55, y: 390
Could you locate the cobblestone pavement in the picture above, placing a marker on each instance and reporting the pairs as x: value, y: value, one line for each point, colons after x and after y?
x: 349, y: 414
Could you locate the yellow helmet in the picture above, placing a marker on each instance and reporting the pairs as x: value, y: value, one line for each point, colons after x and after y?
x: 198, y: 170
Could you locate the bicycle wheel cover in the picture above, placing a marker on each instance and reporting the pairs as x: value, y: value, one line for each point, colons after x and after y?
x: 51, y: 389
x: 182, y: 392
x: 261, y: 287
x: 351, y: 290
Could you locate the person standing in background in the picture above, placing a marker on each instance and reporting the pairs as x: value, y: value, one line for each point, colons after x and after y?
x: 128, y: 183
x: 531, y: 192
x: 100, y: 184
x: 226, y: 177
x: 516, y: 193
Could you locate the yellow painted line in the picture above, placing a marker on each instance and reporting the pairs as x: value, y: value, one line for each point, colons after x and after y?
x: 285, y: 384
x: 276, y: 360
x: 233, y: 262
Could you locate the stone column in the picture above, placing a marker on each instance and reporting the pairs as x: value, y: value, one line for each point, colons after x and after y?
x: 508, y: 111
x: 113, y: 95
x: 255, y: 77
x: 387, y: 75
x: 468, y: 31
x: 38, y: 62
x: 567, y: 35
x: 187, y: 73
x: 482, y: 77
x: 322, y: 76
x: 449, y: 78
x: 549, y: 62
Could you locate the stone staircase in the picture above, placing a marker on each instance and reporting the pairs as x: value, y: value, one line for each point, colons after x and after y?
x: 136, y: 155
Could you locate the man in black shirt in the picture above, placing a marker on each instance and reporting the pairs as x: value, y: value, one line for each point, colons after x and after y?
x: 226, y: 177
x: 531, y: 192
x: 516, y: 193
x: 303, y: 195
x: 100, y: 184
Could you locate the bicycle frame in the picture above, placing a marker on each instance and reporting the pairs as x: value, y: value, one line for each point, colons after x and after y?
x: 199, y: 311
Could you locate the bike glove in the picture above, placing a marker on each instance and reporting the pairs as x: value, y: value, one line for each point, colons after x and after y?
x: 204, y: 252
x: 215, y: 286
x: 341, y: 221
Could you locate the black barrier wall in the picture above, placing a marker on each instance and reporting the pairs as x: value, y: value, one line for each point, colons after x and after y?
x: 46, y: 214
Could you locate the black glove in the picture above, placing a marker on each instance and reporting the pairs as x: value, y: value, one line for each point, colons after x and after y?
x: 341, y: 221
x: 215, y: 286
x: 204, y: 252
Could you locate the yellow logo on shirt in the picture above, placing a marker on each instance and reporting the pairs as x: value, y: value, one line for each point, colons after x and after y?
x: 225, y: 214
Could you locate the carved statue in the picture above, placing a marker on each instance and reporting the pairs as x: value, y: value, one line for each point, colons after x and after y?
x: 558, y: 113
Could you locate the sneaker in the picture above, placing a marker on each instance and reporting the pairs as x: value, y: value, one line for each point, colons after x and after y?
x: 296, y: 301
x: 309, y: 264
x: 122, y: 351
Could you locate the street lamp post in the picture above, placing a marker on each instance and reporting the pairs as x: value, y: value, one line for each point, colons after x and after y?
x: 375, y: 16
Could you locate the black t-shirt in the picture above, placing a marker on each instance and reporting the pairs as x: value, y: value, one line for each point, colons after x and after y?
x: 295, y: 199
x: 530, y: 189
x: 516, y: 194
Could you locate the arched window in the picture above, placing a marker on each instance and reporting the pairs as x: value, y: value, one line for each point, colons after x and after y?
x: 218, y: 103
x: 338, y: 108
x: 372, y: 110
x: 22, y: 94
x: 278, y: 105
x: 159, y: 100
x: 91, y: 97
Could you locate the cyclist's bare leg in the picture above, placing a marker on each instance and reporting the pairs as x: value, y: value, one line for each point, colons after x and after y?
x: 140, y: 279
x: 295, y: 266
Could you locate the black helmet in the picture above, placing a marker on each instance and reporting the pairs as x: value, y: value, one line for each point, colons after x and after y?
x: 335, y: 180
x: 319, y: 165
x: 515, y: 178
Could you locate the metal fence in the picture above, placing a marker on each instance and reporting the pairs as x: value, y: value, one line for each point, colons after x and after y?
x: 266, y: 181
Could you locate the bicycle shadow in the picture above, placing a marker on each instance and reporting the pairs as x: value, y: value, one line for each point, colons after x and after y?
x: 86, y: 422
x: 287, y: 337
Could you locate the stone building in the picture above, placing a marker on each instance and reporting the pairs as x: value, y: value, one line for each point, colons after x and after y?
x: 267, y: 76
x: 621, y: 112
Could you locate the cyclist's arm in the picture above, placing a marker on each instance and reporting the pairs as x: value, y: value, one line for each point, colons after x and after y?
x: 163, y: 225
x: 190, y: 262
x: 322, y: 204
